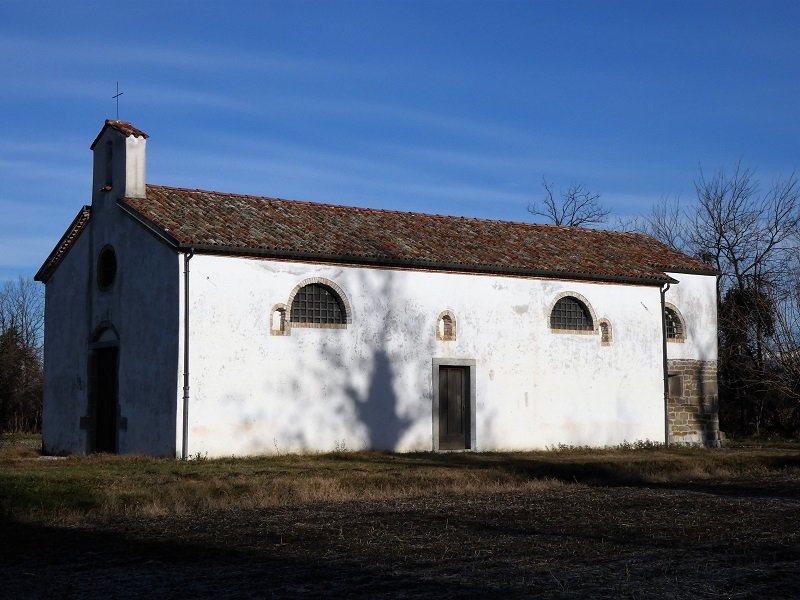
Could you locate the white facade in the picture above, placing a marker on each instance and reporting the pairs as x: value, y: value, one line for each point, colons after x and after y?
x: 695, y: 297
x: 138, y: 315
x: 372, y: 383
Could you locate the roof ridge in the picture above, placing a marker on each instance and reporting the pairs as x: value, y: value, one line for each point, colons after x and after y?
x: 122, y: 127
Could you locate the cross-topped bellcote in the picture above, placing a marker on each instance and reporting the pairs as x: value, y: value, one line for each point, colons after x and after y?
x: 119, y: 162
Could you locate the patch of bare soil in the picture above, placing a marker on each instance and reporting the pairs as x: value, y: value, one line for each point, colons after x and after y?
x: 738, y: 539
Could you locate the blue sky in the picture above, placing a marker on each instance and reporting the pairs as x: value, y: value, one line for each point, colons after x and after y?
x: 446, y: 107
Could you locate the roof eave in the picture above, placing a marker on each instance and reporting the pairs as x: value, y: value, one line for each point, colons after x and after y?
x: 708, y: 271
x: 415, y: 264
x: 74, y: 230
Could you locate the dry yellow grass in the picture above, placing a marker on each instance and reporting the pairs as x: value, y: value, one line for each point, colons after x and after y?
x: 99, y: 487
x: 573, y: 522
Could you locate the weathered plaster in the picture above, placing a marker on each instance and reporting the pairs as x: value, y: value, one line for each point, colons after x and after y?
x: 369, y: 385
x: 141, y: 305
x: 66, y: 335
x: 692, y: 362
x: 695, y: 296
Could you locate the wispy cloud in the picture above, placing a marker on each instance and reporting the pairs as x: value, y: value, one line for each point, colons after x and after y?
x: 29, y: 86
x: 206, y: 58
x: 516, y: 173
x: 24, y: 250
x: 51, y: 147
x: 57, y: 175
x: 288, y: 170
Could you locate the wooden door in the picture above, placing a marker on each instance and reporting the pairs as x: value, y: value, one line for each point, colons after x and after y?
x: 453, y: 408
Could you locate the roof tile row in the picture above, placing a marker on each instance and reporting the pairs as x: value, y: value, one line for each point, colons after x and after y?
x: 276, y: 227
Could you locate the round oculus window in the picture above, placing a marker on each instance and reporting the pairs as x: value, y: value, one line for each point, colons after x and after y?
x: 106, y: 268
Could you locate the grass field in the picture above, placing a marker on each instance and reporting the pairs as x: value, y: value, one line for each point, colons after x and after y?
x: 569, y: 523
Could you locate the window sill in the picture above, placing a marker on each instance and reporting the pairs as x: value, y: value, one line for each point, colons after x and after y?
x: 573, y: 331
x: 318, y: 325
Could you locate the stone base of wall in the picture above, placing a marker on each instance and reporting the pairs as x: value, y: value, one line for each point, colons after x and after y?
x: 693, y: 402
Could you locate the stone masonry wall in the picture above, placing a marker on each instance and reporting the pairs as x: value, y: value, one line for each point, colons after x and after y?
x: 693, y: 402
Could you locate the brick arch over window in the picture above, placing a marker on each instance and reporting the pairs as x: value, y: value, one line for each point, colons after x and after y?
x: 323, y: 291
x: 675, y: 323
x: 570, y: 312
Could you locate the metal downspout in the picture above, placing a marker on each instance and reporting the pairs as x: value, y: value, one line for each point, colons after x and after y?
x: 185, y: 442
x: 666, y: 368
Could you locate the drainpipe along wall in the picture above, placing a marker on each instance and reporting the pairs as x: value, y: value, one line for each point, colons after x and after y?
x: 185, y: 437
x: 666, y: 368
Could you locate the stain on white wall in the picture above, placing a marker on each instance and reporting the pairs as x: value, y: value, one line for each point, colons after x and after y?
x: 369, y: 385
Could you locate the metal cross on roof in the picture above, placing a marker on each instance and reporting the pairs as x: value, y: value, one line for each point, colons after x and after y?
x: 116, y: 97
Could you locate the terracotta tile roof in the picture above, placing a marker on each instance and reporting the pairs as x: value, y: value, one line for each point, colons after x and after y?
x: 273, y: 227
x: 64, y: 244
x: 124, y: 128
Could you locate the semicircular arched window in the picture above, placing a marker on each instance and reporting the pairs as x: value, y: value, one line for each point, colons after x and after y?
x: 674, y: 324
x: 317, y: 303
x: 570, y: 313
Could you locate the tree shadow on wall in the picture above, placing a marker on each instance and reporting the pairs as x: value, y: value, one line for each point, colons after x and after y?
x: 378, y: 409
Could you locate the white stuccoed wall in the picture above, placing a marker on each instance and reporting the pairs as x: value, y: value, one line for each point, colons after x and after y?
x: 65, y: 352
x: 695, y: 296
x: 369, y: 385
x: 141, y: 305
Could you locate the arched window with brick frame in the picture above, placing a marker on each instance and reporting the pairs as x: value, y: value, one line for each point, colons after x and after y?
x: 674, y: 326
x: 571, y: 313
x: 318, y: 303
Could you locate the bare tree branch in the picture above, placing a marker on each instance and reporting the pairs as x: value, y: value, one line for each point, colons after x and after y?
x: 21, y: 329
x: 748, y: 233
x: 752, y: 237
x: 22, y: 307
x: 666, y: 222
x: 575, y: 207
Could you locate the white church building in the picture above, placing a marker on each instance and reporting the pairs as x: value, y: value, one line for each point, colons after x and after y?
x: 183, y: 321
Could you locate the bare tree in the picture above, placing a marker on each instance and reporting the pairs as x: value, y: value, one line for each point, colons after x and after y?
x: 749, y: 235
x: 666, y: 223
x: 21, y: 329
x: 783, y: 352
x: 22, y: 305
x: 576, y: 206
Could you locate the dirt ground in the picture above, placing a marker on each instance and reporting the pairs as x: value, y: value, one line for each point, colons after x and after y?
x: 737, y: 539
